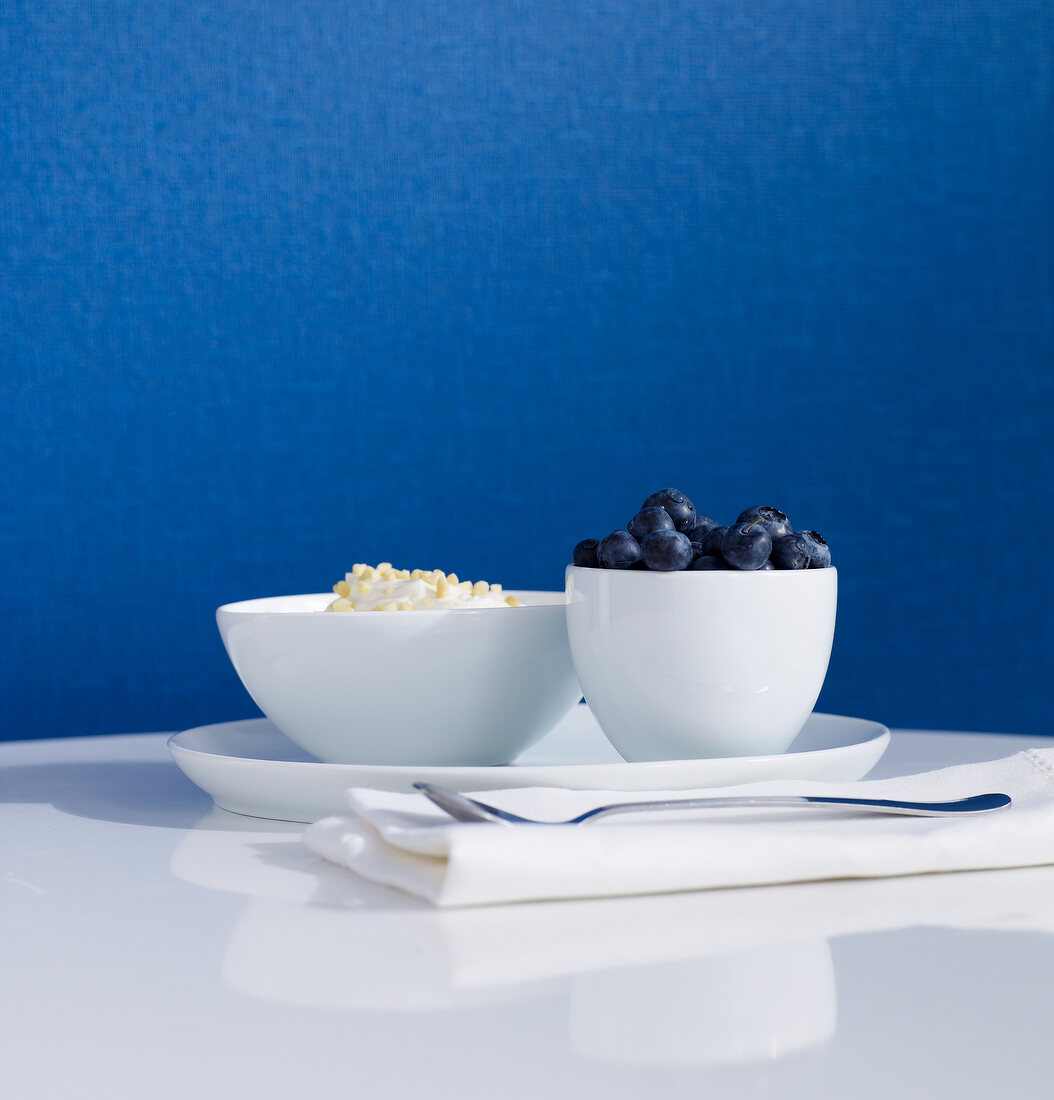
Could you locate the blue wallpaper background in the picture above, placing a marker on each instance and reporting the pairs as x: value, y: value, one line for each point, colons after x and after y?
x: 286, y: 287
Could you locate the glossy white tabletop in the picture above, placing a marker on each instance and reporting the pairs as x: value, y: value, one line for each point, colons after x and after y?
x: 157, y: 947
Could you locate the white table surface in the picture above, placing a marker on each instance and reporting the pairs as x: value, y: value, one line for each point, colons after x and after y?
x: 155, y: 947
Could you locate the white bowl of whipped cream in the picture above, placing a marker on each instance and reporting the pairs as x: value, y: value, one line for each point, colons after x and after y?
x: 413, y: 667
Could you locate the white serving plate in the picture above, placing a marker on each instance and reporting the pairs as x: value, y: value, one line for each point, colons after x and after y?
x: 248, y: 767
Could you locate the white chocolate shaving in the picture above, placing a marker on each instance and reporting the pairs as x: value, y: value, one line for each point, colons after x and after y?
x: 384, y: 588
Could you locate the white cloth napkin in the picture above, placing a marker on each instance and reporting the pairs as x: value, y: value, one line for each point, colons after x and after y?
x: 402, y: 840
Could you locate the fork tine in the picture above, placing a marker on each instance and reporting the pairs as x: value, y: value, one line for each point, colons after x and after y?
x: 462, y: 808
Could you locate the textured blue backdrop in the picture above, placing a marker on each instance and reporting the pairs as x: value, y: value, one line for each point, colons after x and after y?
x: 285, y: 287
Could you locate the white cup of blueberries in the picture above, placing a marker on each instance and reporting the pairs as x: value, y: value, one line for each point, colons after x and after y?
x: 694, y: 639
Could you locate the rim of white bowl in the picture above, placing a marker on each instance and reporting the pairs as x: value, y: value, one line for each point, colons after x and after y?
x: 253, y: 606
x: 652, y: 573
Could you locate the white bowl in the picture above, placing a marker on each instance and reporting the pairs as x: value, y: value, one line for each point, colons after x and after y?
x: 460, y: 686
x: 701, y: 664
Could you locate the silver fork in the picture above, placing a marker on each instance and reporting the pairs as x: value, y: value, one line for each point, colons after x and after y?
x: 463, y: 808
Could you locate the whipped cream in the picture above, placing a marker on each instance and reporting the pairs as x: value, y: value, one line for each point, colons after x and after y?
x: 382, y: 588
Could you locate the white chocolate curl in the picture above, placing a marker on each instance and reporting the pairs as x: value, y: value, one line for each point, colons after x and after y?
x: 382, y: 588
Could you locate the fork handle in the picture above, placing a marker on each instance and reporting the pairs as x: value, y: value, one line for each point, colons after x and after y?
x: 974, y: 804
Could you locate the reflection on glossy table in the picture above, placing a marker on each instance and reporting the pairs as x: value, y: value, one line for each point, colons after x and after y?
x: 155, y: 946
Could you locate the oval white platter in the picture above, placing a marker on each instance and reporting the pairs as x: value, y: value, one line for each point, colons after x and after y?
x: 248, y: 767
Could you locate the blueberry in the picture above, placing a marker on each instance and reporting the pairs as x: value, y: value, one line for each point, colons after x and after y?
x: 708, y: 561
x: 700, y: 527
x: 791, y: 552
x: 746, y: 545
x: 676, y: 503
x: 648, y: 520
x: 619, y: 550
x: 819, y: 551
x: 667, y: 551
x: 714, y: 541
x: 586, y: 554
x: 772, y: 519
